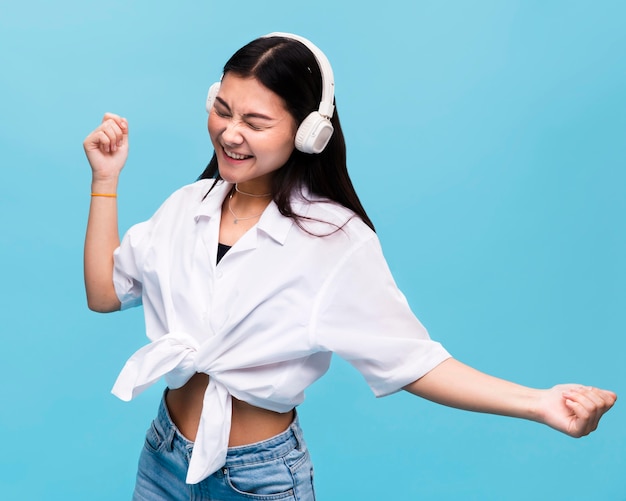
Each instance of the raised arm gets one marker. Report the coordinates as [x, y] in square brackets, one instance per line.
[570, 408]
[106, 149]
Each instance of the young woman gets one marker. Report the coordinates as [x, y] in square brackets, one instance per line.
[250, 279]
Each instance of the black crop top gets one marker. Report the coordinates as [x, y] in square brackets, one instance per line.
[221, 251]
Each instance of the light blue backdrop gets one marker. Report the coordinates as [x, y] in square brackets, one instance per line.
[486, 140]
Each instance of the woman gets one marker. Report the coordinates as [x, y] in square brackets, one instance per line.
[253, 275]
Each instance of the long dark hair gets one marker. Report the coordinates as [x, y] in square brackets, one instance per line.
[289, 69]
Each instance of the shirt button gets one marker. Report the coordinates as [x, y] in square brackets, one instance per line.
[219, 274]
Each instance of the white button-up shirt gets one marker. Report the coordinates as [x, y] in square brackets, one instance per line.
[264, 322]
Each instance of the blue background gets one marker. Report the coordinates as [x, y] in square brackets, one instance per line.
[486, 140]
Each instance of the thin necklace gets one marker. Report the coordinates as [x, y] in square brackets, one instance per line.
[235, 216]
[251, 194]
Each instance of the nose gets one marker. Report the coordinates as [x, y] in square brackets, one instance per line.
[232, 134]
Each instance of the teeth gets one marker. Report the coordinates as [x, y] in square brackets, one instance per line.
[234, 155]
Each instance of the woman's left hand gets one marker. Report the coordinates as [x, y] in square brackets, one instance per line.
[574, 409]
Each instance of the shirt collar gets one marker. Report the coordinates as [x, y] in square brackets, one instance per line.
[211, 205]
[272, 222]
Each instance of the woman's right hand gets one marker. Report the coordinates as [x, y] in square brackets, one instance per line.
[107, 147]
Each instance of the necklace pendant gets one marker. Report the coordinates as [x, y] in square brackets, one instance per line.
[235, 221]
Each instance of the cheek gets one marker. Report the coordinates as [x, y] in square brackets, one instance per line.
[282, 154]
[284, 144]
[288, 146]
[211, 124]
[213, 127]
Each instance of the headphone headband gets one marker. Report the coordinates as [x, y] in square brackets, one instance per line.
[326, 107]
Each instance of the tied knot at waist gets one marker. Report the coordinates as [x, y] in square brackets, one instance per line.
[174, 356]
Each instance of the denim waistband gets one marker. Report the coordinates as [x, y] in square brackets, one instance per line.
[271, 448]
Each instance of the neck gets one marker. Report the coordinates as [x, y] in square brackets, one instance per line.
[245, 205]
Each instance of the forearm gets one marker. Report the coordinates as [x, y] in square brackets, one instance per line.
[570, 408]
[101, 239]
[106, 148]
[455, 384]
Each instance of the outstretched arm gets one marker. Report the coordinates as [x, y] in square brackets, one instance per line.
[569, 408]
[106, 149]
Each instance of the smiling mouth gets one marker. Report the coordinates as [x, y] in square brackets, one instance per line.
[235, 156]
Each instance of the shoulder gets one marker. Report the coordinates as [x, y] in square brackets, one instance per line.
[185, 204]
[191, 197]
[193, 193]
[324, 217]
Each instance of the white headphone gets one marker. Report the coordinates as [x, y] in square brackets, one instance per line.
[315, 130]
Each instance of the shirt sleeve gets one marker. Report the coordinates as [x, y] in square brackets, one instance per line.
[129, 259]
[127, 265]
[364, 318]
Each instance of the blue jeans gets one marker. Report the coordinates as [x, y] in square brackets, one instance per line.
[278, 468]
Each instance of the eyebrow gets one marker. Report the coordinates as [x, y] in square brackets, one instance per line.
[245, 115]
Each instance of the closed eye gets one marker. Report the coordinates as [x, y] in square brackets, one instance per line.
[254, 126]
[221, 108]
[255, 121]
[221, 113]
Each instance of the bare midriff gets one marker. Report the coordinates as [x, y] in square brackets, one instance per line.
[249, 423]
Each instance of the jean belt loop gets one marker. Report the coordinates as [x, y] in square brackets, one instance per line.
[165, 421]
[169, 439]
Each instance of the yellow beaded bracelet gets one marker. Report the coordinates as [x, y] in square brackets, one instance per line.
[110, 195]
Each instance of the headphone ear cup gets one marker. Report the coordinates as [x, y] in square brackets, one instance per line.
[314, 133]
[210, 99]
